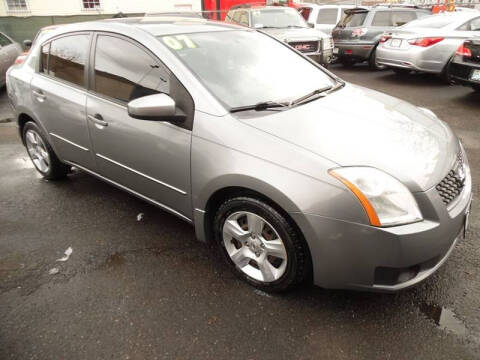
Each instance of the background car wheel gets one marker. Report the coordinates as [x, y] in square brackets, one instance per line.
[401, 71]
[476, 88]
[347, 62]
[372, 61]
[260, 244]
[42, 154]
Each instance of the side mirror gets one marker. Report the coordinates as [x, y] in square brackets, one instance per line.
[27, 44]
[157, 107]
[311, 25]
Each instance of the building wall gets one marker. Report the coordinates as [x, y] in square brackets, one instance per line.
[74, 7]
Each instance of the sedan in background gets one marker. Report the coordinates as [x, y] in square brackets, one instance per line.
[465, 66]
[9, 50]
[427, 45]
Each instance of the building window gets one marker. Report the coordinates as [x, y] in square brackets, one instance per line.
[17, 5]
[91, 4]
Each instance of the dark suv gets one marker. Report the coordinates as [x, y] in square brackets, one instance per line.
[357, 35]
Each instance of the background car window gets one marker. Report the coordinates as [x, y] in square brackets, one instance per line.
[382, 18]
[400, 18]
[354, 19]
[281, 17]
[4, 41]
[327, 16]
[472, 25]
[243, 18]
[236, 16]
[305, 12]
[434, 22]
[67, 58]
[123, 71]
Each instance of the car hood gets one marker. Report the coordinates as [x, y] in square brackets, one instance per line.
[356, 126]
[292, 34]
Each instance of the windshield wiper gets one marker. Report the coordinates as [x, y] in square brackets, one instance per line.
[265, 105]
[315, 94]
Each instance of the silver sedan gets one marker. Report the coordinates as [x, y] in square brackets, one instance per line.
[292, 172]
[426, 45]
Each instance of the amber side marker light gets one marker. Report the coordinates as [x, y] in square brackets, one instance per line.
[371, 213]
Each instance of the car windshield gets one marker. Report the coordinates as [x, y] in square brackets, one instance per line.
[245, 67]
[277, 18]
[353, 19]
[431, 22]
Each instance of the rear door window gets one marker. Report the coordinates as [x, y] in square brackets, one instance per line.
[327, 16]
[65, 58]
[472, 25]
[400, 18]
[382, 18]
[124, 71]
[354, 19]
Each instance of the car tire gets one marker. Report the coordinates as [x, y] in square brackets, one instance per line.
[41, 153]
[401, 71]
[348, 63]
[372, 61]
[260, 245]
[476, 88]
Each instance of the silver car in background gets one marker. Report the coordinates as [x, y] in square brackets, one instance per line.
[9, 51]
[427, 45]
[292, 172]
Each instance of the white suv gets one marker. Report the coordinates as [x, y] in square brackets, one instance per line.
[323, 17]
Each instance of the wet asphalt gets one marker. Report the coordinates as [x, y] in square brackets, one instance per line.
[147, 290]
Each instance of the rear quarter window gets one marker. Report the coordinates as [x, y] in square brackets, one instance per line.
[354, 19]
[382, 18]
[327, 16]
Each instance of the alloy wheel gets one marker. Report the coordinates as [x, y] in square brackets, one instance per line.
[254, 246]
[37, 150]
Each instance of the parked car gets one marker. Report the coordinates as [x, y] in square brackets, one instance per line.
[287, 25]
[357, 36]
[292, 172]
[465, 66]
[9, 50]
[323, 17]
[427, 45]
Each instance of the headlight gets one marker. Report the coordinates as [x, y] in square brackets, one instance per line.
[386, 200]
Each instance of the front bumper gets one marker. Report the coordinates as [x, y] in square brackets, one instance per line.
[357, 51]
[414, 58]
[349, 255]
[323, 58]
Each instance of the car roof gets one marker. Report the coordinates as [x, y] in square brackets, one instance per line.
[155, 25]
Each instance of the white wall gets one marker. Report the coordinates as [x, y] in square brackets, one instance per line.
[74, 7]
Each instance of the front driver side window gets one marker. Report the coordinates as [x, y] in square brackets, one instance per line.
[124, 72]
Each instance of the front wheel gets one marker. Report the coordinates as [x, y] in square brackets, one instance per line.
[42, 154]
[260, 244]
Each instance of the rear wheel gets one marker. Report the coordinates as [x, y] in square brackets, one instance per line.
[372, 61]
[260, 244]
[42, 154]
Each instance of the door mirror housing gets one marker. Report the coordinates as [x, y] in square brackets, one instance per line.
[157, 107]
[27, 44]
[311, 25]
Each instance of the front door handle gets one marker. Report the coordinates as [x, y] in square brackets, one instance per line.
[39, 95]
[97, 119]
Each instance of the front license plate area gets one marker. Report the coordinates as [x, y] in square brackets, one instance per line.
[396, 43]
[475, 75]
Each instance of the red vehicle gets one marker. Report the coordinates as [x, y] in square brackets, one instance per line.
[218, 8]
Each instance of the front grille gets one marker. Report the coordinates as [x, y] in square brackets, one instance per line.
[452, 185]
[305, 46]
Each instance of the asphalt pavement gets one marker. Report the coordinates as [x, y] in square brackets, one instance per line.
[142, 287]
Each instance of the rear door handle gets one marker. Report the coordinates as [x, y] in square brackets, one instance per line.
[97, 119]
[39, 94]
